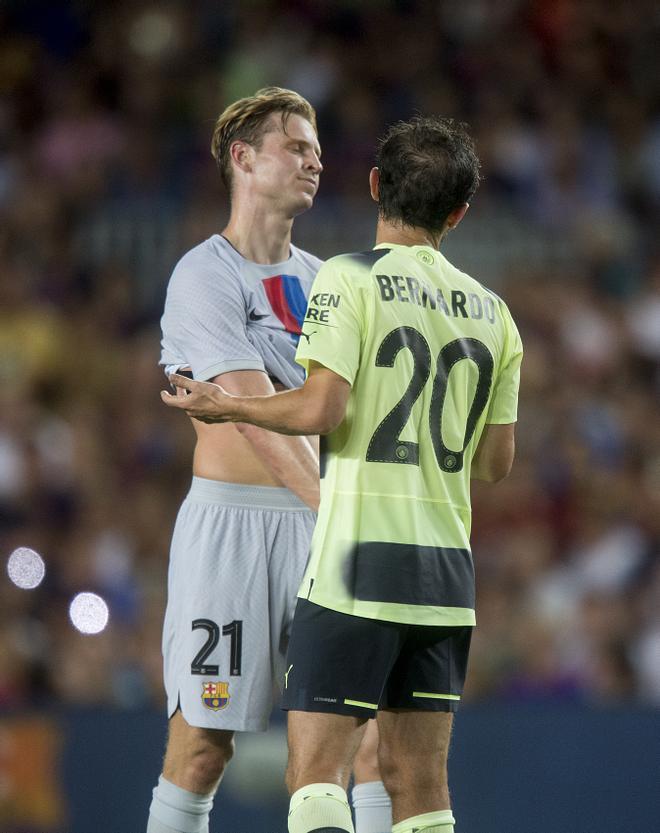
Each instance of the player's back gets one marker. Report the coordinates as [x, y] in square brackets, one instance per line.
[425, 348]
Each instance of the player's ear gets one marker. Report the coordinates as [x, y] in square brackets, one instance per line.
[456, 216]
[374, 180]
[241, 154]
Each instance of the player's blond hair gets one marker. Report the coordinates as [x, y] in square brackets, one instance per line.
[248, 120]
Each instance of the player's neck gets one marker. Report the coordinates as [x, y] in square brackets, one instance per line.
[402, 235]
[260, 236]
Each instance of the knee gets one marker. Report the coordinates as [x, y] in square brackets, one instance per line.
[403, 774]
[212, 756]
[366, 765]
[302, 771]
[390, 771]
[201, 764]
[417, 776]
[291, 778]
[297, 771]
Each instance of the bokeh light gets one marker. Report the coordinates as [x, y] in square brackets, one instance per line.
[26, 568]
[153, 34]
[89, 613]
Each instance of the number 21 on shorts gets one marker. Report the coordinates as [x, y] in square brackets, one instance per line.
[234, 630]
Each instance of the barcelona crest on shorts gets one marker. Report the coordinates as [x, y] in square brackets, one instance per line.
[215, 696]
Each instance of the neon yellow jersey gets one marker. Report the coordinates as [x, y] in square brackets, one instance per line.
[432, 356]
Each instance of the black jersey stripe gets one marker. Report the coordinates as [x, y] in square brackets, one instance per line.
[370, 258]
[382, 571]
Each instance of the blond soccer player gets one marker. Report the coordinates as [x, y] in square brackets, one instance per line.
[233, 315]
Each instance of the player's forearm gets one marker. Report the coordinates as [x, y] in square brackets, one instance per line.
[291, 461]
[296, 412]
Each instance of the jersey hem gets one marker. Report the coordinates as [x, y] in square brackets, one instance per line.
[227, 367]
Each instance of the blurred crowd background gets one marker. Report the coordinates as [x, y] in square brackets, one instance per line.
[106, 115]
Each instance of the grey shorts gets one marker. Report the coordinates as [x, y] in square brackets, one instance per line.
[237, 558]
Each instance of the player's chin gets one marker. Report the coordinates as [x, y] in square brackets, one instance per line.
[302, 204]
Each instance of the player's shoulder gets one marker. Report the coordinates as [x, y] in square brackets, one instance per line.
[356, 264]
[471, 284]
[209, 255]
[204, 263]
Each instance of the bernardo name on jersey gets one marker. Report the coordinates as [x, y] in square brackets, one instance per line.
[432, 357]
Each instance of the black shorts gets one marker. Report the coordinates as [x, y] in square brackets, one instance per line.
[352, 665]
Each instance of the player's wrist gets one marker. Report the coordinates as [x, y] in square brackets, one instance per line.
[241, 408]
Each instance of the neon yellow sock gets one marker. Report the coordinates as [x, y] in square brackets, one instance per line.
[320, 807]
[442, 821]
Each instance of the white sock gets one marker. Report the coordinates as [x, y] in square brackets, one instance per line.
[175, 810]
[373, 808]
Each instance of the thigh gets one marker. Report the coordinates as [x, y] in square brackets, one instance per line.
[216, 643]
[429, 673]
[338, 663]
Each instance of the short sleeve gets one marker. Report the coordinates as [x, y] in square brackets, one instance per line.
[204, 324]
[331, 331]
[504, 401]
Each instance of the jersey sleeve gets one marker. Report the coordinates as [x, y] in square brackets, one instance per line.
[504, 401]
[205, 324]
[331, 331]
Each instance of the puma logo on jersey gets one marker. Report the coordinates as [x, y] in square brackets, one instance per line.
[308, 335]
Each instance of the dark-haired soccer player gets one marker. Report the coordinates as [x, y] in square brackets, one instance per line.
[413, 373]
[233, 314]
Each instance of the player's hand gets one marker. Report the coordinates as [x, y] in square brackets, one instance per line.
[204, 401]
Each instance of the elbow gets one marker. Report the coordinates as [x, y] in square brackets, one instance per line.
[496, 474]
[326, 422]
[494, 467]
[501, 466]
[326, 402]
[490, 475]
[326, 416]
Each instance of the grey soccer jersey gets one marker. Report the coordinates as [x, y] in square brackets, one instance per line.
[224, 313]
[238, 552]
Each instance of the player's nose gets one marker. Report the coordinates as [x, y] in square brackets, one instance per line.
[314, 163]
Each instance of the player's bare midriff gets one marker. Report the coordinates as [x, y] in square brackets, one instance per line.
[223, 453]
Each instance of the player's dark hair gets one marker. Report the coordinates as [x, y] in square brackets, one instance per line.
[428, 167]
[248, 119]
